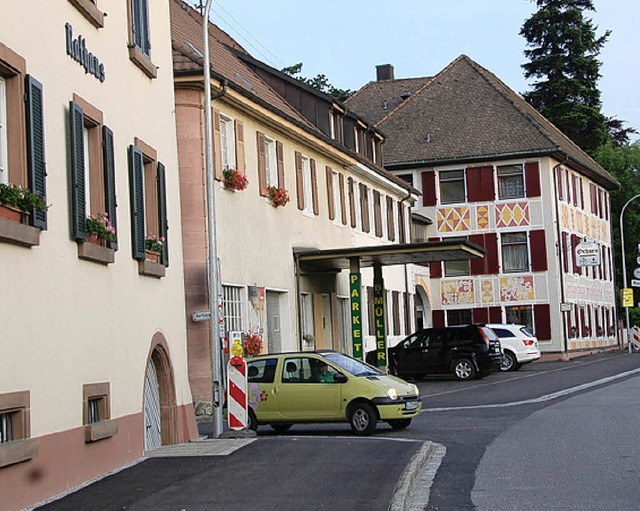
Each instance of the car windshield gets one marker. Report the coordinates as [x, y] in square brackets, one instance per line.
[355, 367]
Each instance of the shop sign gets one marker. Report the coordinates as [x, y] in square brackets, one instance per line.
[356, 314]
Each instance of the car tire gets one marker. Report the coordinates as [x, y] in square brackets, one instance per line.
[463, 369]
[399, 423]
[253, 421]
[280, 428]
[362, 418]
[509, 362]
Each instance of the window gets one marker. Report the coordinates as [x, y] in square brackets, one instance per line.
[306, 315]
[452, 187]
[307, 185]
[227, 143]
[92, 169]
[334, 196]
[263, 371]
[458, 317]
[510, 181]
[456, 268]
[515, 252]
[232, 307]
[96, 415]
[148, 205]
[335, 125]
[139, 38]
[271, 162]
[15, 430]
[521, 315]
[4, 168]
[89, 9]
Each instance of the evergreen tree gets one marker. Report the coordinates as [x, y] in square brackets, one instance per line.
[562, 52]
[319, 82]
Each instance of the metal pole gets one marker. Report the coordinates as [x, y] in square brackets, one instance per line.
[216, 366]
[624, 265]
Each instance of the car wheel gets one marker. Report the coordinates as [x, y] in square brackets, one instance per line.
[253, 421]
[463, 369]
[280, 428]
[399, 423]
[363, 419]
[509, 362]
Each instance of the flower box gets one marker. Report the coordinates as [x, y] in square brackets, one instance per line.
[11, 213]
[234, 180]
[278, 195]
[152, 256]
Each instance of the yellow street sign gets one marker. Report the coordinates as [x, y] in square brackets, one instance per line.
[627, 297]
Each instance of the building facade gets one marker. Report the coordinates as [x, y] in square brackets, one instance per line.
[279, 134]
[493, 171]
[93, 371]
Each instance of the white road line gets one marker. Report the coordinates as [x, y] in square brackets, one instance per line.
[541, 399]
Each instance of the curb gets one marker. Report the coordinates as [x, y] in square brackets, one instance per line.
[421, 469]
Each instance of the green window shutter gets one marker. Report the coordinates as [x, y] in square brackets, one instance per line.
[35, 147]
[78, 186]
[163, 224]
[140, 25]
[136, 188]
[108, 159]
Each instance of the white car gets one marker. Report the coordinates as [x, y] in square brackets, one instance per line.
[519, 345]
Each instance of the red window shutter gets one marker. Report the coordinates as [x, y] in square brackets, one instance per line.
[559, 183]
[538, 250]
[314, 186]
[566, 175]
[600, 209]
[565, 252]
[532, 178]
[480, 315]
[435, 269]
[492, 266]
[581, 193]
[429, 188]
[574, 187]
[437, 318]
[280, 164]
[299, 183]
[477, 266]
[477, 180]
[542, 321]
[574, 244]
[495, 314]
[329, 177]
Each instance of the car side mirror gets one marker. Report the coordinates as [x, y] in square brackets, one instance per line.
[340, 378]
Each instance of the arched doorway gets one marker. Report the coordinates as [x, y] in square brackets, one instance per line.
[422, 309]
[159, 402]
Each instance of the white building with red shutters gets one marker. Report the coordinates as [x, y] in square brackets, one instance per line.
[495, 172]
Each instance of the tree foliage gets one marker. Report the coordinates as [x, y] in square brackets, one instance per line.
[319, 82]
[623, 162]
[562, 52]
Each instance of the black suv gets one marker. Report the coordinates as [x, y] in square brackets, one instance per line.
[467, 351]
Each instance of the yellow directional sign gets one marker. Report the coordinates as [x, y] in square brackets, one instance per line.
[627, 297]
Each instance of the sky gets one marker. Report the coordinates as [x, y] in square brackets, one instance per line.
[346, 39]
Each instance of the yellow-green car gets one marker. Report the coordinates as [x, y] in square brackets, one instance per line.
[326, 386]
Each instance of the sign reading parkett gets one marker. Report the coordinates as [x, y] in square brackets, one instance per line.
[587, 254]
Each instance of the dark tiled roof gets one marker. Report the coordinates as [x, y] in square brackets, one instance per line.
[466, 113]
[376, 99]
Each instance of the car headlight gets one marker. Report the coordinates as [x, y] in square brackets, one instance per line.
[392, 393]
[416, 390]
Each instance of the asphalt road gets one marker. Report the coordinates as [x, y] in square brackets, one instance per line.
[509, 438]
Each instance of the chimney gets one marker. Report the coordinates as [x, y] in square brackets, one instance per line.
[384, 72]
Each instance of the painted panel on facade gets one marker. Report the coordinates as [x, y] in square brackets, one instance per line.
[581, 289]
[512, 214]
[456, 292]
[482, 217]
[516, 289]
[455, 219]
[486, 291]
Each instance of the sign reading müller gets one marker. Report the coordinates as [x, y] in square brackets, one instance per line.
[587, 254]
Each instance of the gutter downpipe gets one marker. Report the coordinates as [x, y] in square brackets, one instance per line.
[213, 270]
[565, 342]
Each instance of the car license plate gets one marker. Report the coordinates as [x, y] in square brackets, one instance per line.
[411, 405]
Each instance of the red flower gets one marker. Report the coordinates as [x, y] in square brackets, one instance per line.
[278, 195]
[234, 180]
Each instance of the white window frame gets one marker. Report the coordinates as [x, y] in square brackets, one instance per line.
[503, 245]
[4, 163]
[271, 161]
[332, 125]
[87, 171]
[227, 142]
[307, 185]
[511, 172]
[442, 179]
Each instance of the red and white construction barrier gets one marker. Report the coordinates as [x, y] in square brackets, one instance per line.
[237, 392]
[635, 338]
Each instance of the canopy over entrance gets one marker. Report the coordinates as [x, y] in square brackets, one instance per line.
[337, 259]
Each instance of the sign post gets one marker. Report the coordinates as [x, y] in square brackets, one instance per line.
[237, 388]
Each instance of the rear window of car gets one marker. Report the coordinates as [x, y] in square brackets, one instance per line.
[262, 371]
[503, 332]
[489, 333]
[526, 331]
